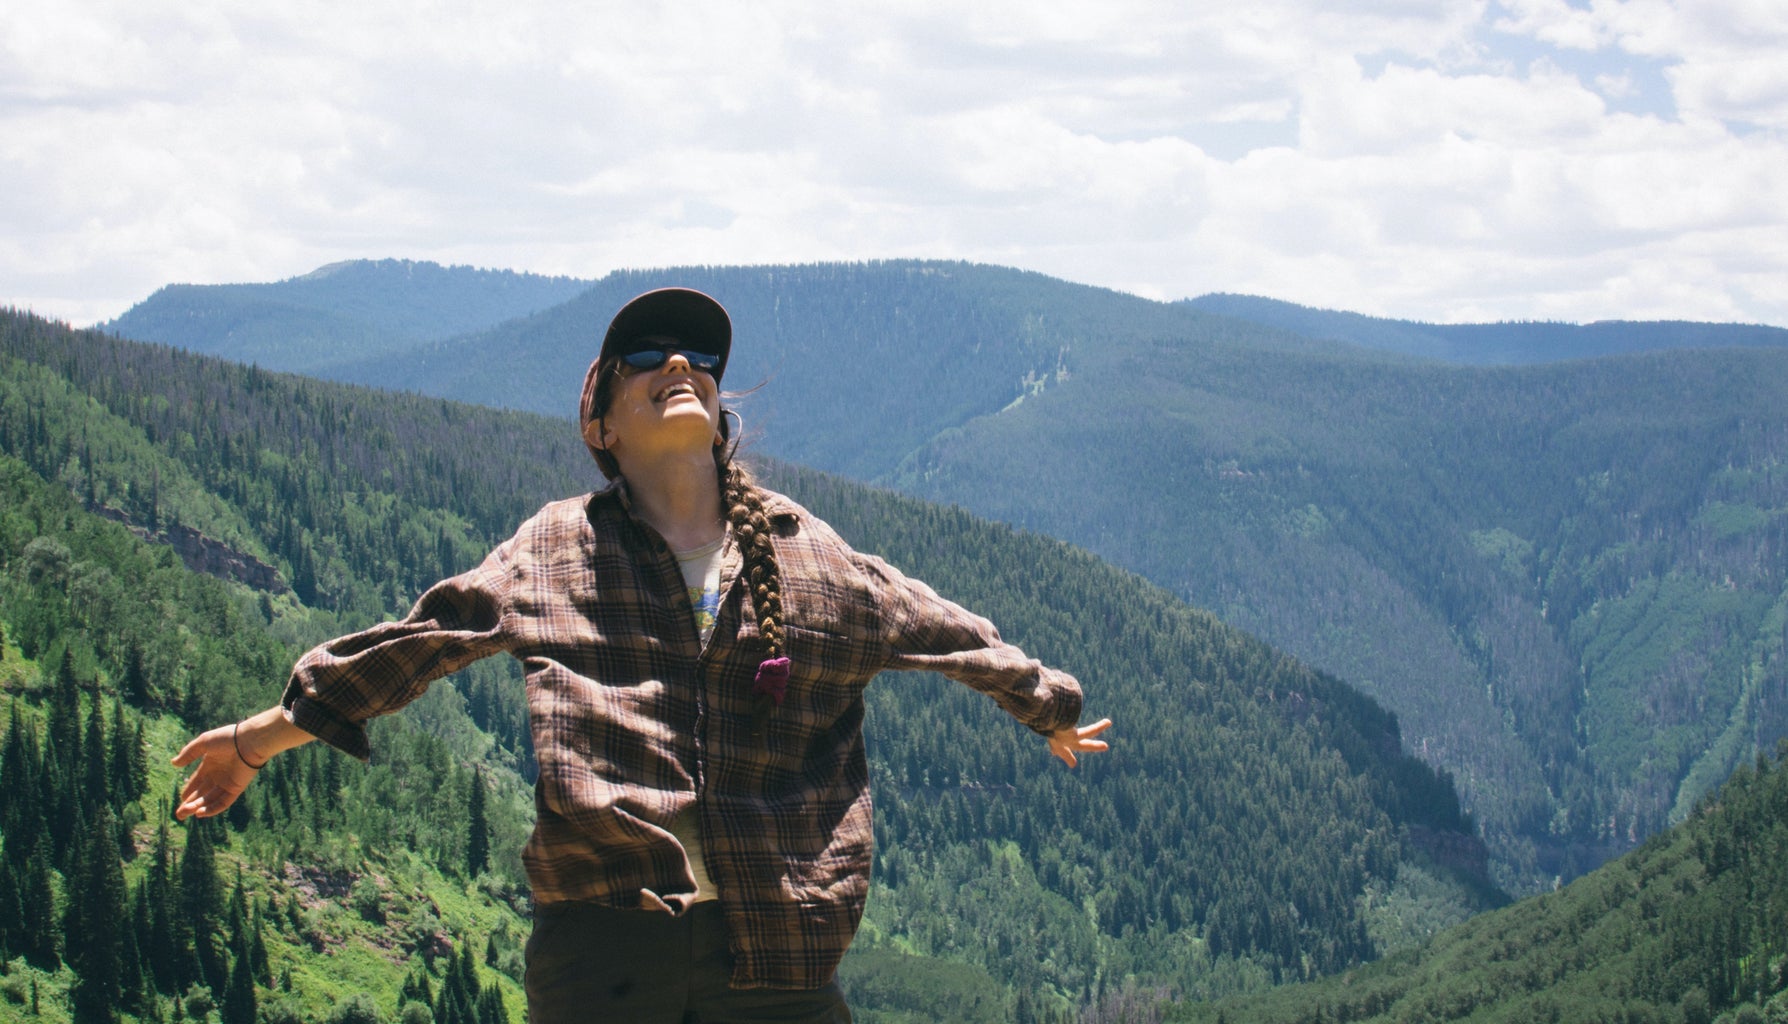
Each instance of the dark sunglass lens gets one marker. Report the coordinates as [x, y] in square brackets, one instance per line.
[646, 358]
[703, 361]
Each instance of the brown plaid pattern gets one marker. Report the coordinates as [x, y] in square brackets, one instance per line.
[633, 718]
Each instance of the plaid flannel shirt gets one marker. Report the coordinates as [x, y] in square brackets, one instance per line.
[633, 717]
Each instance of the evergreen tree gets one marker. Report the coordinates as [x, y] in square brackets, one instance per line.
[202, 903]
[21, 772]
[12, 912]
[490, 1007]
[160, 898]
[128, 762]
[135, 685]
[133, 989]
[96, 773]
[65, 713]
[257, 950]
[239, 995]
[95, 932]
[37, 925]
[477, 829]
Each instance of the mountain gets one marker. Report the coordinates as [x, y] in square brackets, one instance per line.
[341, 312]
[1257, 821]
[1692, 926]
[1499, 344]
[1564, 578]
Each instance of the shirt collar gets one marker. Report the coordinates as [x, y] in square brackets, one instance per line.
[776, 506]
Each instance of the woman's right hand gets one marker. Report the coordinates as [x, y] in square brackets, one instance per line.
[223, 773]
[220, 778]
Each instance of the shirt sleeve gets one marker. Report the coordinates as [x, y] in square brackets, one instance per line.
[338, 685]
[926, 632]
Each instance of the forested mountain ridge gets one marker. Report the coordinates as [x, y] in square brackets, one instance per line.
[864, 361]
[1258, 822]
[1496, 344]
[338, 313]
[1565, 579]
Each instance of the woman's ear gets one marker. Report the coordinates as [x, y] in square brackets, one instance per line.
[598, 436]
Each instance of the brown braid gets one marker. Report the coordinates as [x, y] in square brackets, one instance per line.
[744, 505]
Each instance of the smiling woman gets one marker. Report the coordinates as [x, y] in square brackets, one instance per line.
[696, 648]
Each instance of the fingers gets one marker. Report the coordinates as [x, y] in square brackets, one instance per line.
[195, 747]
[212, 787]
[204, 797]
[1066, 743]
[187, 753]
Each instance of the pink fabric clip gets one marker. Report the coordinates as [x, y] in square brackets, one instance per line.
[772, 679]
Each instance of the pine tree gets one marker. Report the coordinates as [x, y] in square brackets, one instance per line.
[133, 990]
[490, 1007]
[161, 899]
[239, 995]
[95, 938]
[37, 932]
[135, 685]
[96, 772]
[21, 772]
[257, 950]
[477, 829]
[12, 912]
[65, 713]
[129, 768]
[202, 904]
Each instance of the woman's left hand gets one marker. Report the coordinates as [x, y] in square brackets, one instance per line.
[1066, 743]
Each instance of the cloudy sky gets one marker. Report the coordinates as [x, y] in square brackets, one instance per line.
[1442, 160]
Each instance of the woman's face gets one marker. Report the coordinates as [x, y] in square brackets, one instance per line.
[670, 409]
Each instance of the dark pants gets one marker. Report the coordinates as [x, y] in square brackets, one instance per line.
[589, 964]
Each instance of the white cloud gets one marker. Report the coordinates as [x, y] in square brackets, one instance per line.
[1433, 160]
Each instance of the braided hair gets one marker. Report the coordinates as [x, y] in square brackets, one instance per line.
[743, 502]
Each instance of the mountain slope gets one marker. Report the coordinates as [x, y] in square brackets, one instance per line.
[1693, 923]
[1498, 344]
[1244, 784]
[1561, 577]
[341, 312]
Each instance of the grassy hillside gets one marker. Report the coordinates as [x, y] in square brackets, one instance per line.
[1257, 823]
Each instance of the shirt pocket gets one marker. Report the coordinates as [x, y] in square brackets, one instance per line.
[828, 671]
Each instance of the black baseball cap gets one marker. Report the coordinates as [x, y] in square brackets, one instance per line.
[695, 319]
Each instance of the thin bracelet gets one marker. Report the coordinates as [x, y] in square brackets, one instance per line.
[233, 742]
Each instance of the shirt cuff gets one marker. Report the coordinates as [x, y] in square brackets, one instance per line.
[1066, 700]
[313, 717]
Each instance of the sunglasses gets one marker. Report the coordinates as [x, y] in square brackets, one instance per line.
[653, 358]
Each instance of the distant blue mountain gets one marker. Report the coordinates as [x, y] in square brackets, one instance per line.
[1496, 344]
[342, 312]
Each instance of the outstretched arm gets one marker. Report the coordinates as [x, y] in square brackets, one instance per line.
[1066, 743]
[228, 757]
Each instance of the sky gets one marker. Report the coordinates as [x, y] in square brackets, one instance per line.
[1439, 160]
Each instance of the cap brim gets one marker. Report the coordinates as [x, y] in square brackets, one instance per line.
[696, 320]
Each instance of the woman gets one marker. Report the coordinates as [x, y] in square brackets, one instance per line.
[696, 647]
